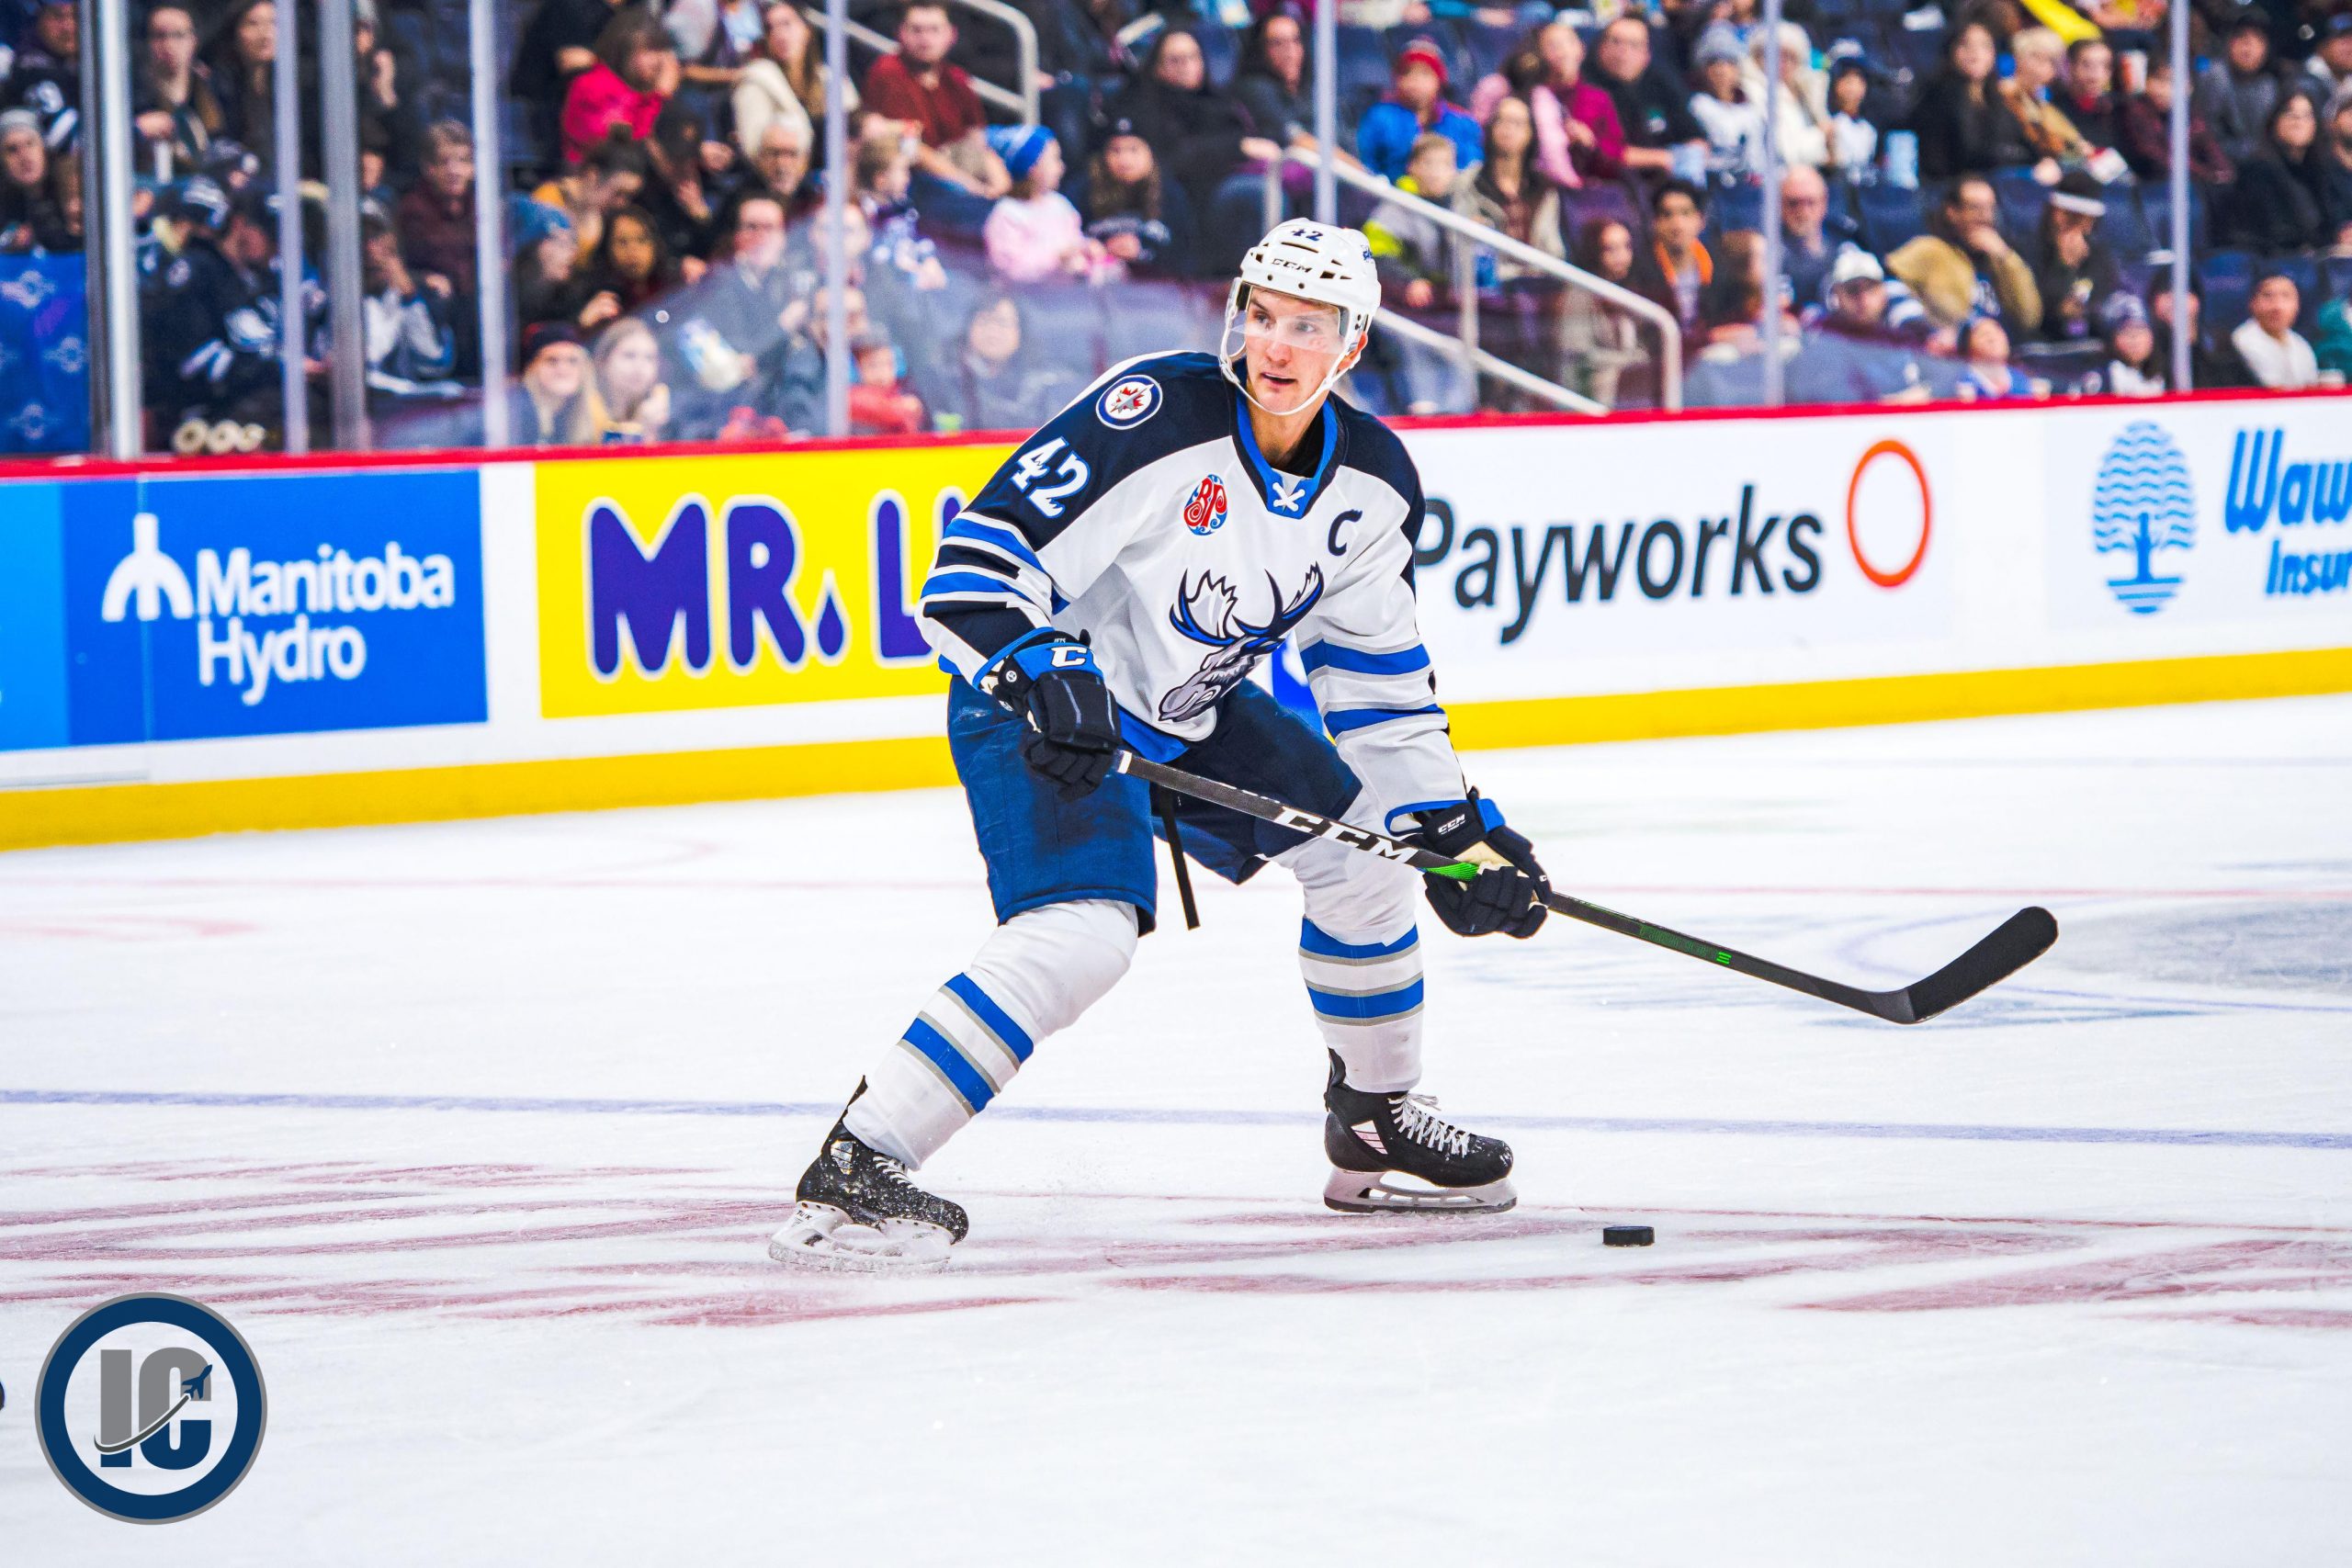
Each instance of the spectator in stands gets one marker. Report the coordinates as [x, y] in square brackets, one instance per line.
[1416, 106]
[1140, 217]
[1274, 85]
[879, 185]
[544, 280]
[1652, 112]
[2090, 99]
[1731, 311]
[2073, 269]
[679, 194]
[1962, 267]
[1678, 268]
[412, 348]
[1733, 122]
[2131, 368]
[2210, 365]
[214, 325]
[636, 72]
[2281, 201]
[1600, 341]
[785, 80]
[631, 267]
[1986, 374]
[2276, 355]
[715, 40]
[2329, 70]
[172, 103]
[1034, 232]
[780, 163]
[2144, 128]
[2239, 91]
[557, 44]
[2333, 348]
[2049, 134]
[1577, 137]
[1852, 356]
[956, 177]
[1201, 135]
[553, 404]
[1408, 250]
[737, 314]
[989, 382]
[1506, 191]
[1804, 122]
[388, 122]
[1810, 238]
[46, 77]
[609, 176]
[30, 218]
[632, 401]
[1853, 135]
[879, 402]
[435, 219]
[1962, 122]
[2335, 165]
[243, 71]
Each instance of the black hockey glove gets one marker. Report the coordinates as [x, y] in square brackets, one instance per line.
[1502, 898]
[1051, 682]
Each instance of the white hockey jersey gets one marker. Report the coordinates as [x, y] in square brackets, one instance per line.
[1145, 517]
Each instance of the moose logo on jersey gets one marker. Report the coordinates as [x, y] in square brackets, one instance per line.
[1204, 513]
[1208, 613]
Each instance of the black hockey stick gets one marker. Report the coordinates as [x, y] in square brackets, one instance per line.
[2016, 943]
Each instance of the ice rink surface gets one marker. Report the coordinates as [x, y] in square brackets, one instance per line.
[475, 1130]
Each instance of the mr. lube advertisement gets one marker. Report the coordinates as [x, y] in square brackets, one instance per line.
[209, 607]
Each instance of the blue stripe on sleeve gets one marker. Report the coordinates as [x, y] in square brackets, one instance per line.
[942, 1054]
[968, 583]
[1314, 939]
[1387, 1004]
[1015, 1038]
[1356, 661]
[968, 527]
[1345, 719]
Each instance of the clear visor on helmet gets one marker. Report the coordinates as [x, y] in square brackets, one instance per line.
[1316, 331]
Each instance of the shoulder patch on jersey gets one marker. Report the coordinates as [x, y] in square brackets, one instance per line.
[1204, 512]
[1130, 402]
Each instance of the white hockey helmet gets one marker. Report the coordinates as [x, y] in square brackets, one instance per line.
[1323, 262]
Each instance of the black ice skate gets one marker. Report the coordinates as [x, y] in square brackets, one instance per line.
[1394, 1152]
[857, 1209]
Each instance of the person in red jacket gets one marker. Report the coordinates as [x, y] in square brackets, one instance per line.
[635, 71]
[956, 177]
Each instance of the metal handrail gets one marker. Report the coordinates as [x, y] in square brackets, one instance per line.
[1470, 230]
[1486, 364]
[1024, 48]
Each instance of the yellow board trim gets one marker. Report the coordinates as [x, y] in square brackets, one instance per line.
[31, 817]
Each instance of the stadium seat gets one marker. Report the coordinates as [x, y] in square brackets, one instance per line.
[2338, 272]
[1734, 207]
[2228, 281]
[2022, 199]
[1890, 215]
[1220, 50]
[2125, 229]
[1488, 46]
[1363, 64]
[2155, 205]
[2308, 282]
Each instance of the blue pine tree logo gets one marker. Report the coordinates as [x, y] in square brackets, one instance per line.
[2144, 503]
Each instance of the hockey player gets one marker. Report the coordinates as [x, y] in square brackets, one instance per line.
[1113, 586]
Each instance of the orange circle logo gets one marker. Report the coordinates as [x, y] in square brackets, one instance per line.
[1903, 574]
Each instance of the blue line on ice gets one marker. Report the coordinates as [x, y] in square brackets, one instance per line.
[2214, 1137]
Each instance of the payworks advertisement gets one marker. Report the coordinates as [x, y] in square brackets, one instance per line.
[209, 607]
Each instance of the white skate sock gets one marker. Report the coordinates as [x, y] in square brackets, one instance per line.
[1367, 997]
[1035, 975]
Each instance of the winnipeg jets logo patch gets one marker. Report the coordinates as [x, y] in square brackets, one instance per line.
[1129, 403]
[1290, 492]
[1204, 512]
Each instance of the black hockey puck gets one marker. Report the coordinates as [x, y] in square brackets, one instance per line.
[1627, 1236]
